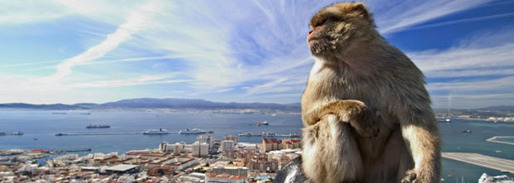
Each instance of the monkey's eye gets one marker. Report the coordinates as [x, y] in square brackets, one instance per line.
[320, 22]
[323, 20]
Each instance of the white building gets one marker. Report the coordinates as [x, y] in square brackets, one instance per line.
[206, 139]
[233, 171]
[228, 144]
[200, 149]
[176, 148]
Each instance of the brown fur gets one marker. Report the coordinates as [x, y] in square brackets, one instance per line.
[365, 109]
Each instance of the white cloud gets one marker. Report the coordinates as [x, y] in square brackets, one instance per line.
[270, 87]
[255, 47]
[30, 11]
[136, 21]
[393, 16]
[477, 73]
[145, 80]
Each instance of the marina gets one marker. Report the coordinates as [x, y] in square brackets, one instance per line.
[504, 165]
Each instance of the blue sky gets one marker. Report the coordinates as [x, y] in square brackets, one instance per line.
[65, 51]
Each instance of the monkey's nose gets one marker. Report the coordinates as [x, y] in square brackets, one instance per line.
[310, 32]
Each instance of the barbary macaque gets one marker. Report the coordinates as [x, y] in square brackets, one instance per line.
[365, 110]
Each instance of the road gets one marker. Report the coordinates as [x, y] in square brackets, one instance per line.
[504, 165]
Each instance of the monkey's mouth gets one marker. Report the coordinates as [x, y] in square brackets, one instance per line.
[313, 40]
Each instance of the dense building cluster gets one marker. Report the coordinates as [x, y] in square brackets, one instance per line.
[206, 160]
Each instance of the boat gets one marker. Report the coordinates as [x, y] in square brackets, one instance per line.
[263, 134]
[260, 123]
[159, 131]
[445, 120]
[448, 115]
[248, 134]
[192, 131]
[467, 131]
[295, 135]
[10, 133]
[495, 179]
[98, 126]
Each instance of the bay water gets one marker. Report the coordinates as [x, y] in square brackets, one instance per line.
[40, 126]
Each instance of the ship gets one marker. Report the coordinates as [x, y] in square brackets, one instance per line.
[263, 134]
[467, 131]
[260, 123]
[159, 131]
[495, 179]
[295, 135]
[445, 120]
[98, 126]
[192, 131]
[10, 133]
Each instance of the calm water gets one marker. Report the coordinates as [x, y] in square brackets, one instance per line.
[43, 125]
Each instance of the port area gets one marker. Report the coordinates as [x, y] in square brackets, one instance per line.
[504, 165]
[103, 133]
[497, 139]
[20, 154]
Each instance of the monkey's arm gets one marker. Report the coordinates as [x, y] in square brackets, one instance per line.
[421, 134]
[354, 112]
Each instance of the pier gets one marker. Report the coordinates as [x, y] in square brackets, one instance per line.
[504, 165]
[495, 139]
[70, 150]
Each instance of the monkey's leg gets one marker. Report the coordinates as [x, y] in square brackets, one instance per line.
[360, 117]
[421, 135]
[330, 152]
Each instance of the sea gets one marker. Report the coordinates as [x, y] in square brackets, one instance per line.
[40, 126]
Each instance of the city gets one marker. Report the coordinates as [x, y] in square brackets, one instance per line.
[206, 160]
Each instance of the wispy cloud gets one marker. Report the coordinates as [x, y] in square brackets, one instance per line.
[248, 50]
[30, 11]
[270, 87]
[397, 15]
[145, 80]
[134, 23]
[453, 22]
[481, 65]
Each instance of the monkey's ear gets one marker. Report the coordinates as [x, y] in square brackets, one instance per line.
[361, 10]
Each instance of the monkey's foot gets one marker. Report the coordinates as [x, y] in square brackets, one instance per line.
[409, 176]
[360, 117]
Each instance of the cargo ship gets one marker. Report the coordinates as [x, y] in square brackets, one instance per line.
[98, 126]
[159, 131]
[192, 131]
[260, 123]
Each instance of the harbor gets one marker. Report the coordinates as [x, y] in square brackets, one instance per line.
[504, 165]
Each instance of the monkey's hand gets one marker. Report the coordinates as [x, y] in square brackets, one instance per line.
[409, 177]
[357, 114]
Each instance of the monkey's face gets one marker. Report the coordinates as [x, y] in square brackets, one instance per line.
[338, 27]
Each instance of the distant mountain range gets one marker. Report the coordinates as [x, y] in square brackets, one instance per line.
[200, 104]
[171, 103]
